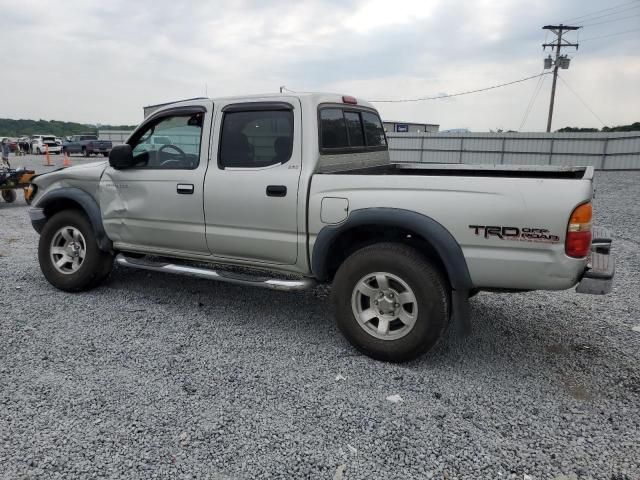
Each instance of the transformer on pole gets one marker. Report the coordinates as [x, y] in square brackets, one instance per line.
[560, 61]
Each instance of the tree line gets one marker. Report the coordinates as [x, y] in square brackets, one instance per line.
[633, 127]
[17, 128]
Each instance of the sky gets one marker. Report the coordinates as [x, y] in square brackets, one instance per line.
[102, 61]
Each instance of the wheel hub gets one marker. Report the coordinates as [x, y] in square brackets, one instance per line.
[384, 305]
[68, 249]
[386, 302]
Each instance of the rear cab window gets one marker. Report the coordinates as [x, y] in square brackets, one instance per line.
[349, 130]
[256, 135]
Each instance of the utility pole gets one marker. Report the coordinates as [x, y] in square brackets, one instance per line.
[561, 61]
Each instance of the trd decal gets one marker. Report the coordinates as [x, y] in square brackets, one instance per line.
[523, 234]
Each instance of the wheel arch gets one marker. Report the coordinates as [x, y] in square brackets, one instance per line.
[374, 225]
[73, 198]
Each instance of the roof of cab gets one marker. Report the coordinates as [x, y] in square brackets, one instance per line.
[312, 97]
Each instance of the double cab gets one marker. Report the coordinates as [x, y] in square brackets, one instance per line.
[300, 188]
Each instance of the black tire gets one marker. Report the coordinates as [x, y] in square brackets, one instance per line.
[105, 154]
[96, 265]
[9, 196]
[427, 283]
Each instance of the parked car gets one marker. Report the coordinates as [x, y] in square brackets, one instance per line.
[40, 144]
[302, 185]
[86, 145]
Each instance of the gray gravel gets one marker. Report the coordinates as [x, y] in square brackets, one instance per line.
[156, 376]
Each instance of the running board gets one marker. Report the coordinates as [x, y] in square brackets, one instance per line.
[228, 277]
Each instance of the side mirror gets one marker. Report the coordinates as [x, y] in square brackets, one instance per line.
[121, 157]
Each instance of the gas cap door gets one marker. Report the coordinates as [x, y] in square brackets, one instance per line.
[334, 210]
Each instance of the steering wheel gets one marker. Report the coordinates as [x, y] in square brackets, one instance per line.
[172, 160]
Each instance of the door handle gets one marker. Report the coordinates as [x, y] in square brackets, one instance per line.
[185, 188]
[276, 191]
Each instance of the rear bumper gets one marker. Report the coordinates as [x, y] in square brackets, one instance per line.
[601, 267]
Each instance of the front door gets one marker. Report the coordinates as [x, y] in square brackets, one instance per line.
[157, 205]
[251, 191]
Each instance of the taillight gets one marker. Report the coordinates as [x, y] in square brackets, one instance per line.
[349, 99]
[578, 242]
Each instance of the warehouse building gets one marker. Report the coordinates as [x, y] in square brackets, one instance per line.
[391, 126]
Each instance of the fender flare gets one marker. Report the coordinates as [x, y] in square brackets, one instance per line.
[88, 205]
[443, 242]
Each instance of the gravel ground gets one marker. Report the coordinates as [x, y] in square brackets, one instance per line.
[157, 376]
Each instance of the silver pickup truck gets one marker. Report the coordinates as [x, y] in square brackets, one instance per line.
[286, 191]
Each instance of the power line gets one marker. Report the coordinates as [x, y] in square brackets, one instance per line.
[618, 12]
[536, 92]
[611, 35]
[596, 12]
[460, 93]
[581, 100]
[612, 20]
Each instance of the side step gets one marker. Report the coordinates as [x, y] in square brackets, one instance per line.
[229, 277]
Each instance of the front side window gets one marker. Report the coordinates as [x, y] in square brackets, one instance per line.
[171, 142]
[254, 139]
[345, 130]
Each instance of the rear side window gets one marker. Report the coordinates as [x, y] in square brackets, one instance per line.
[349, 131]
[253, 139]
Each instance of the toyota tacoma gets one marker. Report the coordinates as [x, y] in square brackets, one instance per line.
[300, 189]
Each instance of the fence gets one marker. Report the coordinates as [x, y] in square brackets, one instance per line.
[603, 151]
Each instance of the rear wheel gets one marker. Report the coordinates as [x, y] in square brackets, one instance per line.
[69, 255]
[9, 196]
[391, 302]
[105, 154]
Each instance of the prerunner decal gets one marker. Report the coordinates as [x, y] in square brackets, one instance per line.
[522, 234]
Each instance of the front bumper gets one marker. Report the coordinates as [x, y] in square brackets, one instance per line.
[601, 267]
[38, 218]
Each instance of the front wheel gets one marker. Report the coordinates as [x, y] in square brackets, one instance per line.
[391, 302]
[69, 255]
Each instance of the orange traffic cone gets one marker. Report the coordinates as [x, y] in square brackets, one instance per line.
[67, 161]
[46, 152]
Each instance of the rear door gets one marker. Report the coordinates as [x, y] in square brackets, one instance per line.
[158, 205]
[251, 188]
